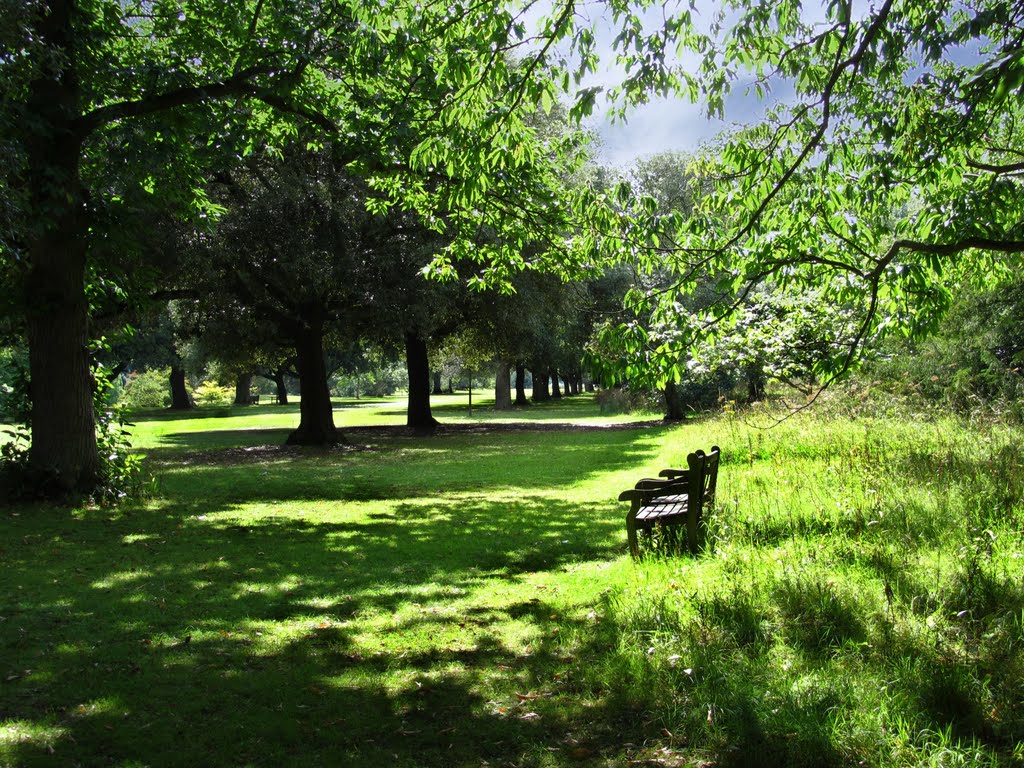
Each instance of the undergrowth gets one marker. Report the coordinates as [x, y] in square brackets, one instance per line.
[861, 602]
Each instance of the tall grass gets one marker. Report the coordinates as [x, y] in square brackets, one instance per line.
[862, 602]
[467, 599]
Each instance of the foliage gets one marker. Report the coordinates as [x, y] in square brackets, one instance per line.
[209, 393]
[892, 170]
[14, 402]
[120, 468]
[613, 400]
[778, 336]
[973, 363]
[146, 389]
[379, 378]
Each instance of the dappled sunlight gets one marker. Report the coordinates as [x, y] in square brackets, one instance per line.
[37, 736]
[376, 615]
[467, 597]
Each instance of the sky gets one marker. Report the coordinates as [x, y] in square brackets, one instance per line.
[666, 125]
[663, 124]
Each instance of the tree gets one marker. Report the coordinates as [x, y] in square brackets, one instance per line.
[100, 104]
[894, 168]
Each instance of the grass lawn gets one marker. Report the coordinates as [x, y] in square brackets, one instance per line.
[465, 599]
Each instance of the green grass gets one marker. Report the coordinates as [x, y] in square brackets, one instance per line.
[465, 599]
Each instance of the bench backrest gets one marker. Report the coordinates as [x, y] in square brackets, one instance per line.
[703, 481]
[703, 474]
[711, 473]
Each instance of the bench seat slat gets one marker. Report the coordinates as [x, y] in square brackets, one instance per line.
[661, 512]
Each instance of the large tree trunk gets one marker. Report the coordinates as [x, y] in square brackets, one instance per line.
[438, 389]
[63, 445]
[556, 391]
[316, 416]
[675, 409]
[282, 389]
[503, 387]
[521, 385]
[417, 365]
[243, 385]
[757, 382]
[540, 385]
[180, 399]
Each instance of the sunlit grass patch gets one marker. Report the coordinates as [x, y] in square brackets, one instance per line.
[467, 598]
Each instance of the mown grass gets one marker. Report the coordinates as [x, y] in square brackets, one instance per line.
[465, 599]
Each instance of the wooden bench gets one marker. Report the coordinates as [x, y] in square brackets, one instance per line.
[679, 499]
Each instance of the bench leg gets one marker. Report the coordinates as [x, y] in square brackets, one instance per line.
[634, 548]
[696, 531]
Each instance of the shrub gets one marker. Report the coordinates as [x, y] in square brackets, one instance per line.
[147, 389]
[623, 400]
[210, 394]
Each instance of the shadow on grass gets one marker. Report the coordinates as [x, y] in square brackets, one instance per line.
[185, 634]
[390, 464]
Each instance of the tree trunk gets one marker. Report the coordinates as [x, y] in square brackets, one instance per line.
[757, 383]
[540, 385]
[674, 407]
[503, 387]
[316, 416]
[521, 385]
[180, 399]
[417, 364]
[282, 389]
[438, 390]
[63, 445]
[243, 385]
[556, 392]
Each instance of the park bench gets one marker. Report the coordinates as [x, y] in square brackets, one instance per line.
[661, 507]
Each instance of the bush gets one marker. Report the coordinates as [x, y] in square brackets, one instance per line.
[622, 400]
[210, 394]
[147, 389]
[14, 402]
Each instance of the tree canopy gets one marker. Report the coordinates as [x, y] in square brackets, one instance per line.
[111, 109]
[891, 164]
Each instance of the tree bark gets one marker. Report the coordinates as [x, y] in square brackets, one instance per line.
[521, 385]
[316, 415]
[438, 389]
[674, 407]
[63, 445]
[180, 399]
[243, 384]
[556, 391]
[417, 364]
[503, 387]
[540, 385]
[757, 382]
[282, 389]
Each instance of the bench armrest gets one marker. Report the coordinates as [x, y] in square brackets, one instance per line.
[647, 490]
[675, 474]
